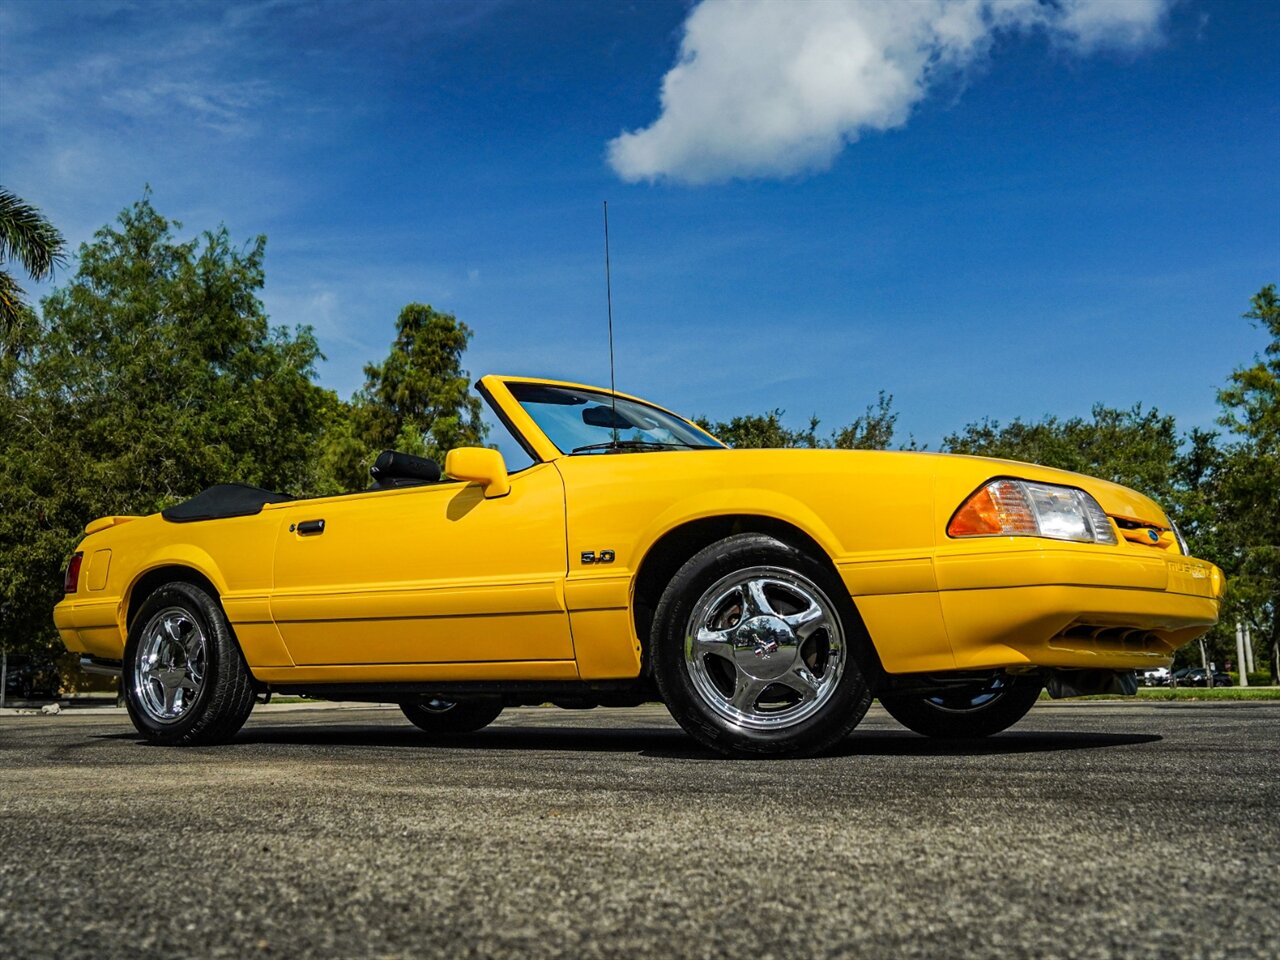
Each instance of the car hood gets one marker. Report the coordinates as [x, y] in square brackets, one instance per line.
[956, 475]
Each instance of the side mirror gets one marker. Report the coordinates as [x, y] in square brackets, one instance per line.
[479, 465]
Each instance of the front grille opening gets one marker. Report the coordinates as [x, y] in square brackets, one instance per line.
[1136, 531]
[1124, 523]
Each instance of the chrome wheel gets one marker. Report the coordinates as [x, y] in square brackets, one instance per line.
[764, 648]
[967, 700]
[966, 709]
[170, 665]
[443, 717]
[437, 705]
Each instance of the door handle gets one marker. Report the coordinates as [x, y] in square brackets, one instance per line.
[309, 528]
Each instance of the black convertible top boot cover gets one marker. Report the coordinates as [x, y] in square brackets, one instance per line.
[224, 500]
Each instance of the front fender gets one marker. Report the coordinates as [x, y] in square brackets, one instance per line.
[737, 501]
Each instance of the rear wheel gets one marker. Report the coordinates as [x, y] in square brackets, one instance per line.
[443, 717]
[185, 681]
[751, 650]
[966, 712]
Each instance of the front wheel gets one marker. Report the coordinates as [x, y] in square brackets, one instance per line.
[966, 713]
[442, 717]
[185, 681]
[751, 650]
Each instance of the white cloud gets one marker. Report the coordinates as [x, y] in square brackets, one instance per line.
[766, 88]
[1092, 24]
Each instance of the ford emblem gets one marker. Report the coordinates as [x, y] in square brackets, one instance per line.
[1154, 535]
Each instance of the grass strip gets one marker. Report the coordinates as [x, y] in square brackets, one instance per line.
[1189, 693]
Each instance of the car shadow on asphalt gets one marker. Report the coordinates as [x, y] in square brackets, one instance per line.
[667, 744]
[903, 744]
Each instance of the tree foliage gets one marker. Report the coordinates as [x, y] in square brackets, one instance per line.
[873, 430]
[27, 237]
[418, 401]
[1133, 447]
[1248, 488]
[759, 430]
[152, 374]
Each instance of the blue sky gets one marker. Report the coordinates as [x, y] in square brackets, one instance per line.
[986, 210]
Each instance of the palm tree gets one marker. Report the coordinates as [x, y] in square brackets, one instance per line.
[27, 237]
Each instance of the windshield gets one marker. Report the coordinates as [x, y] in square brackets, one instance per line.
[583, 421]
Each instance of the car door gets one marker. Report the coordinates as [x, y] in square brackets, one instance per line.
[426, 574]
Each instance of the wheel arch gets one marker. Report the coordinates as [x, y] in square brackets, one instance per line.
[669, 552]
[156, 575]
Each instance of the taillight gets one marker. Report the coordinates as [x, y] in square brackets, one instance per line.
[71, 581]
[1019, 508]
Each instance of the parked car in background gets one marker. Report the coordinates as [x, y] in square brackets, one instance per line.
[32, 677]
[1157, 677]
[1199, 677]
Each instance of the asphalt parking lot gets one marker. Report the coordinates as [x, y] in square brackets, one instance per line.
[1089, 830]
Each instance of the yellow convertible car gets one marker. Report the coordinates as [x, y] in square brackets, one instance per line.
[765, 596]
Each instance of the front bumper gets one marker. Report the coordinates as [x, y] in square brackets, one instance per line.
[1074, 607]
[1015, 603]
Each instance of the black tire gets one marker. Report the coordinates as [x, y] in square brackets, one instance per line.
[700, 688]
[214, 709]
[444, 718]
[966, 715]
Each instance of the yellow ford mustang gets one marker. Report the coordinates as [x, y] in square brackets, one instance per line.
[765, 596]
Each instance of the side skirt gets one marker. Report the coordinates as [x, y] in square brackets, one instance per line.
[572, 694]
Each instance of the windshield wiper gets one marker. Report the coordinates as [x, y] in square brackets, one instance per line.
[634, 445]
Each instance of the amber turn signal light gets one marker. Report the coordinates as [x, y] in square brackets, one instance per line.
[1000, 507]
[976, 518]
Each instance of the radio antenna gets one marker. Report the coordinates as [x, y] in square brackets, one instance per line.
[608, 292]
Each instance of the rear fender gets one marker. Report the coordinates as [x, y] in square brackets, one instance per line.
[173, 555]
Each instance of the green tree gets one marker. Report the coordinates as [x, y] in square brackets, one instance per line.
[418, 400]
[761, 430]
[871, 431]
[1195, 504]
[27, 237]
[1249, 484]
[152, 374]
[1133, 447]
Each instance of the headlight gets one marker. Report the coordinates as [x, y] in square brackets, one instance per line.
[1019, 508]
